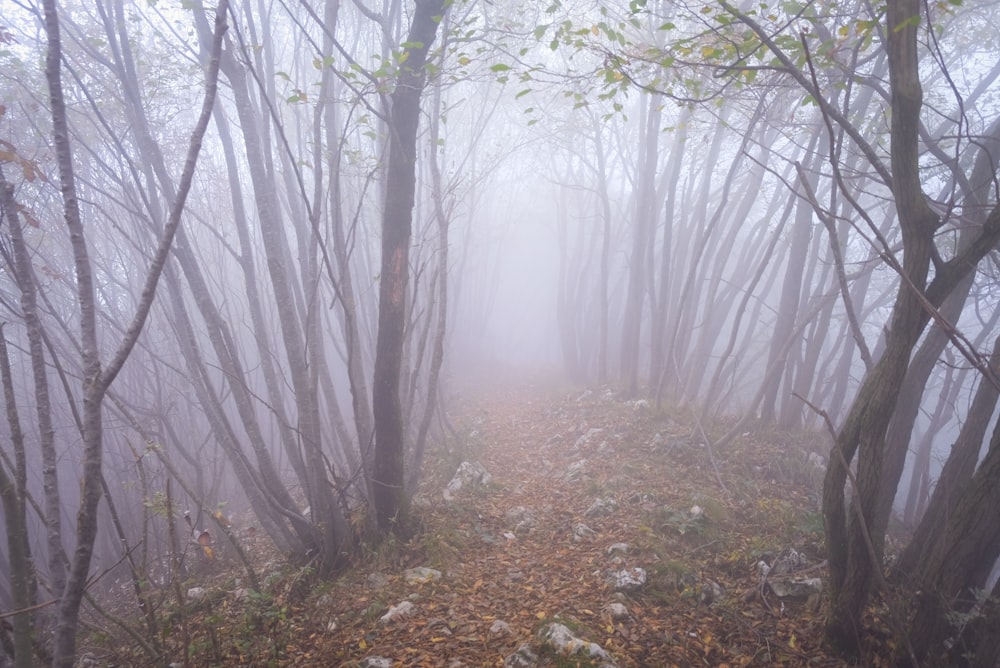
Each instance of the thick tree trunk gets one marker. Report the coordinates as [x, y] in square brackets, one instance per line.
[961, 559]
[855, 541]
[388, 480]
[954, 478]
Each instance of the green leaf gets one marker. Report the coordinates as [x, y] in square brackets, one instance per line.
[540, 30]
[412, 45]
[500, 67]
[522, 93]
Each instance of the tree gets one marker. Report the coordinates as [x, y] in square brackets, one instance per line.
[388, 475]
[97, 378]
[855, 541]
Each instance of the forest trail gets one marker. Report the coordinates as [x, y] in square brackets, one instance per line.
[513, 556]
[507, 550]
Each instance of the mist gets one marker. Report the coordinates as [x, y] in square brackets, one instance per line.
[702, 208]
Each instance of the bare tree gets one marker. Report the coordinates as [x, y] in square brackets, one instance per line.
[96, 377]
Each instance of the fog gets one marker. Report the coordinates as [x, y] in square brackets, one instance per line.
[647, 200]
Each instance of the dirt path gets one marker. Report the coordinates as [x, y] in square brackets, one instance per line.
[511, 564]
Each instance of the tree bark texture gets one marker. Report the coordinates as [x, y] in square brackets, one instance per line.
[97, 380]
[855, 538]
[388, 474]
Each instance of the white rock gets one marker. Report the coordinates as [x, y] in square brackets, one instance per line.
[629, 579]
[524, 657]
[404, 609]
[618, 548]
[588, 437]
[582, 532]
[711, 592]
[521, 518]
[421, 574]
[575, 470]
[331, 626]
[378, 662]
[796, 588]
[561, 640]
[469, 474]
[616, 611]
[601, 507]
[501, 627]
[638, 405]
[789, 561]
[196, 593]
[377, 580]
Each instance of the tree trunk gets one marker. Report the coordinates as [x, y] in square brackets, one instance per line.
[96, 380]
[962, 558]
[11, 496]
[855, 547]
[642, 235]
[388, 481]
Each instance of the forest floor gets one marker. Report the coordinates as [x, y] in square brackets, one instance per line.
[507, 553]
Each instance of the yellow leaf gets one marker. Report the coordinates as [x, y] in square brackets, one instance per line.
[438, 639]
[362, 644]
[792, 642]
[587, 612]
[540, 614]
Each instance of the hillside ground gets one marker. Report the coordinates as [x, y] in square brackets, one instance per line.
[513, 556]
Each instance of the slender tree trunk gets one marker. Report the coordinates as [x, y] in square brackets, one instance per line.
[12, 498]
[642, 234]
[96, 380]
[388, 474]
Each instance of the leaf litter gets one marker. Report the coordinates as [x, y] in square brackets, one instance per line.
[512, 558]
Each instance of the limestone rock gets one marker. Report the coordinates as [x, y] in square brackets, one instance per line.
[421, 574]
[795, 587]
[524, 657]
[616, 611]
[628, 579]
[582, 532]
[377, 662]
[500, 627]
[561, 640]
[469, 474]
[404, 609]
[601, 507]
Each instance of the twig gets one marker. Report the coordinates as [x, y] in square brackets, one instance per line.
[711, 454]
